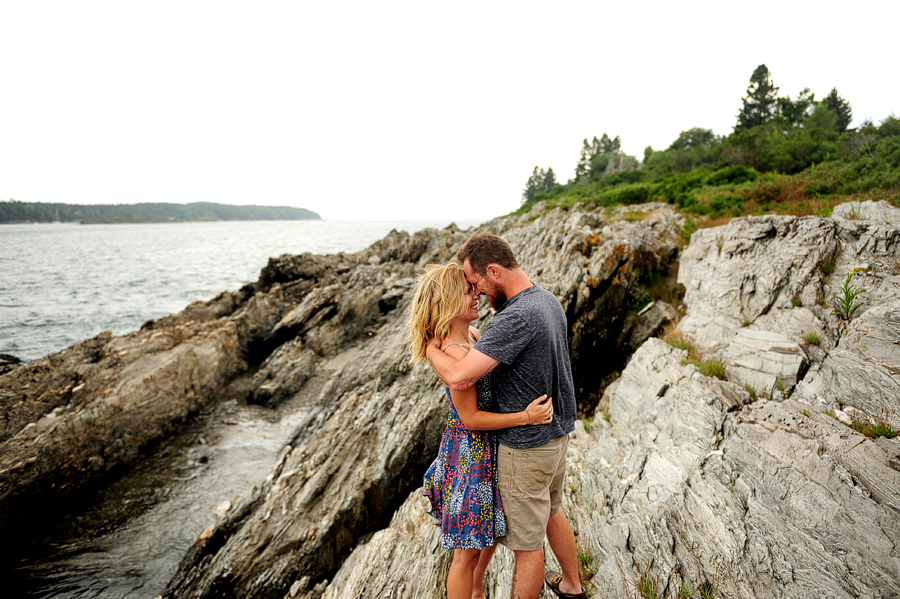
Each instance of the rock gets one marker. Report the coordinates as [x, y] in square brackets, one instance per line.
[881, 212]
[763, 359]
[691, 482]
[645, 324]
[8, 362]
[346, 474]
[685, 480]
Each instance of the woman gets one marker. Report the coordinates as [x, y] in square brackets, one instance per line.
[462, 482]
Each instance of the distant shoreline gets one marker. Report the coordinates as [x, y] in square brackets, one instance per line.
[14, 212]
[147, 221]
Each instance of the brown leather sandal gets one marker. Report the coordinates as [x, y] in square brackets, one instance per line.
[553, 579]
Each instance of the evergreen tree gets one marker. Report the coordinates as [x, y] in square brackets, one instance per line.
[794, 111]
[540, 181]
[840, 107]
[549, 181]
[759, 104]
[605, 145]
[585, 159]
[594, 157]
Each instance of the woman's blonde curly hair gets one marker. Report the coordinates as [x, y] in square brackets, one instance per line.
[436, 304]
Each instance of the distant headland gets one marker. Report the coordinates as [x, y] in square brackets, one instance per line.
[34, 212]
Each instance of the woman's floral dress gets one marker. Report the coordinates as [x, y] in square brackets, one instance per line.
[462, 482]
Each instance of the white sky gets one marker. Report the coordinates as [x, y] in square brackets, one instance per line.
[392, 110]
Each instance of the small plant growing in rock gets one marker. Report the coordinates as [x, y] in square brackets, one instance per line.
[828, 413]
[796, 301]
[679, 340]
[785, 393]
[713, 368]
[854, 213]
[879, 427]
[805, 412]
[587, 425]
[586, 559]
[812, 338]
[844, 306]
[687, 592]
[606, 415]
[746, 322]
[751, 390]
[820, 301]
[827, 267]
[708, 590]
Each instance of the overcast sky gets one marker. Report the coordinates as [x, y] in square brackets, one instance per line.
[393, 110]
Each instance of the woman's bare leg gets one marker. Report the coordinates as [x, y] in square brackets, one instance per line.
[480, 568]
[459, 579]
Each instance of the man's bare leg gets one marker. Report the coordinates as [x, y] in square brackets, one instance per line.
[529, 575]
[562, 542]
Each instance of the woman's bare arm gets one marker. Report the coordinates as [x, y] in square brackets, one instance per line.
[539, 411]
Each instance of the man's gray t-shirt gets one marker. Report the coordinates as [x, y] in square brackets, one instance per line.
[528, 336]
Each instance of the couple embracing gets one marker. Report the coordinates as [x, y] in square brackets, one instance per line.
[516, 381]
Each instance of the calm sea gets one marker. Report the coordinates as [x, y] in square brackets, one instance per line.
[64, 283]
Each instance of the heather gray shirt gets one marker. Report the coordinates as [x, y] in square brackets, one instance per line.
[528, 336]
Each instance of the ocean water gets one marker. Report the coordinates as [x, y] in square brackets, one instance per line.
[64, 283]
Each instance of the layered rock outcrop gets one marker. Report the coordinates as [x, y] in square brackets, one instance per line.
[329, 329]
[737, 488]
[754, 486]
[344, 475]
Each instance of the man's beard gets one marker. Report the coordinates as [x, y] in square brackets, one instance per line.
[497, 298]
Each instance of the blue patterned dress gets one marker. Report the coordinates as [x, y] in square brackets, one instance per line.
[462, 482]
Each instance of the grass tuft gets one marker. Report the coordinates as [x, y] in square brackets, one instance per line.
[812, 338]
[879, 427]
[751, 390]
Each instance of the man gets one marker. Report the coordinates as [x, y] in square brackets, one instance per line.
[526, 346]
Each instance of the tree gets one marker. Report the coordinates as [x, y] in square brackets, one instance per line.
[759, 104]
[595, 156]
[840, 107]
[540, 181]
[693, 138]
[585, 159]
[794, 111]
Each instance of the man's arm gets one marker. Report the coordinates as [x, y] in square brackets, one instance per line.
[459, 374]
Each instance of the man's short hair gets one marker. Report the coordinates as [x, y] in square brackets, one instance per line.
[484, 248]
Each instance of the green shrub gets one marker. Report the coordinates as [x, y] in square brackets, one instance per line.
[721, 203]
[732, 175]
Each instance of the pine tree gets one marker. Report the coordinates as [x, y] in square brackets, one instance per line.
[794, 111]
[759, 104]
[549, 181]
[840, 107]
[585, 159]
[594, 157]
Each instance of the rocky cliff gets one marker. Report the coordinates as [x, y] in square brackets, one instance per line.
[754, 486]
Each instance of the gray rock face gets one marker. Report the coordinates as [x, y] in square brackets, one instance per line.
[679, 479]
[880, 212]
[379, 427]
[692, 484]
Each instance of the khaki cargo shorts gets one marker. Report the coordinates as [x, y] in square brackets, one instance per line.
[531, 484]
